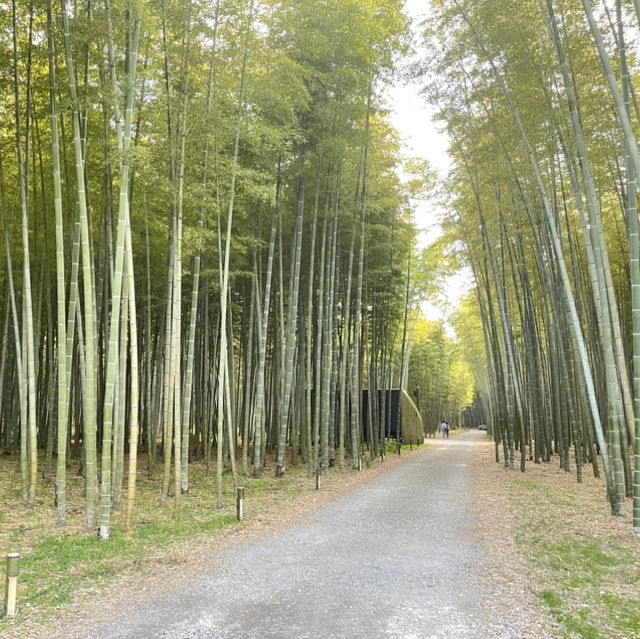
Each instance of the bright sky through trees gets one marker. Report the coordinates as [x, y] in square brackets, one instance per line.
[412, 116]
[422, 138]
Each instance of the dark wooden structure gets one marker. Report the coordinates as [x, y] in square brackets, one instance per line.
[409, 419]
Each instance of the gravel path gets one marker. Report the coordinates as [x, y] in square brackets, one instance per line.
[394, 558]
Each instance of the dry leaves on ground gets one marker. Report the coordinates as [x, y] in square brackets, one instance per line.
[556, 540]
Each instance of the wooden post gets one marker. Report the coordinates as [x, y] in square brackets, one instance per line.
[317, 478]
[240, 503]
[13, 570]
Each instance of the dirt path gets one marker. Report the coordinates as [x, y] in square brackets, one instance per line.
[397, 557]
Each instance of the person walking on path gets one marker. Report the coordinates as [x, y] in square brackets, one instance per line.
[445, 429]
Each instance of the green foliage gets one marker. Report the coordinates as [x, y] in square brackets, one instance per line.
[625, 612]
[60, 565]
[313, 82]
[552, 600]
[535, 134]
[439, 368]
[391, 448]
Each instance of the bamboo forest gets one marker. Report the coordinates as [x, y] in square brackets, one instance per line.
[211, 255]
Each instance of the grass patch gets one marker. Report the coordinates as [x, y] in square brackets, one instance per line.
[552, 600]
[576, 627]
[583, 562]
[59, 565]
[56, 567]
[625, 612]
[391, 448]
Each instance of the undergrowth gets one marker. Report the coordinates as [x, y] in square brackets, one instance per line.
[60, 564]
[584, 562]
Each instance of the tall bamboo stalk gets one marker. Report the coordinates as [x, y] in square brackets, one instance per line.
[90, 338]
[578, 336]
[113, 352]
[61, 339]
[222, 367]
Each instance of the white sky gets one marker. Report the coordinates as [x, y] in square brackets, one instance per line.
[412, 117]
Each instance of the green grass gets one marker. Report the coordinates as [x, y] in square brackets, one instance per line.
[574, 626]
[625, 612]
[60, 565]
[584, 572]
[391, 447]
[57, 566]
[586, 577]
[552, 600]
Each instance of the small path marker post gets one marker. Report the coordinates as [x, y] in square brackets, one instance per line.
[318, 478]
[11, 588]
[240, 503]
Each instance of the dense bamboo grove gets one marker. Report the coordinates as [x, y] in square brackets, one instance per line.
[539, 99]
[207, 245]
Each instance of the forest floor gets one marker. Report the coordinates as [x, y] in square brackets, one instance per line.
[558, 538]
[544, 558]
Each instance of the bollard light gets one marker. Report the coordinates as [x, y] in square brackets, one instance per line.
[13, 570]
[240, 503]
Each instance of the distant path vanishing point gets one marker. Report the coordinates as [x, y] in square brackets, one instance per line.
[395, 558]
